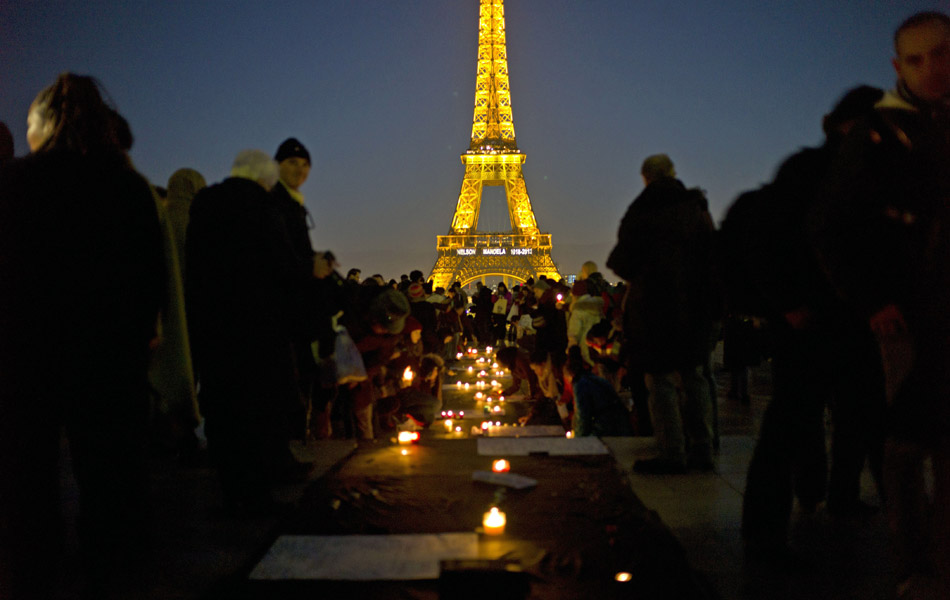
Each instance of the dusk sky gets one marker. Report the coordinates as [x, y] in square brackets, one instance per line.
[382, 91]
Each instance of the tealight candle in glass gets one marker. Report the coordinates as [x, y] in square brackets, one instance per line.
[494, 521]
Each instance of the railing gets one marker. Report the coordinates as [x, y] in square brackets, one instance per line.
[493, 240]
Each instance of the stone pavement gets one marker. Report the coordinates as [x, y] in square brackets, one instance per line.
[195, 548]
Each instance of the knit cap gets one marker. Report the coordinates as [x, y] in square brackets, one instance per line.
[290, 148]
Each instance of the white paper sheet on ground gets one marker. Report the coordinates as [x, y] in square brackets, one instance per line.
[540, 445]
[526, 431]
[363, 557]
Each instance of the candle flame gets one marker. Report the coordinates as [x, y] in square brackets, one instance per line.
[408, 437]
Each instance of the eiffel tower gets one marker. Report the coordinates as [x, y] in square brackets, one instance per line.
[493, 158]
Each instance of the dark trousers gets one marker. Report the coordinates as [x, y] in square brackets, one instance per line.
[812, 370]
[106, 430]
[247, 449]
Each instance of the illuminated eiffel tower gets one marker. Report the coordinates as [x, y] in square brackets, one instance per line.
[493, 158]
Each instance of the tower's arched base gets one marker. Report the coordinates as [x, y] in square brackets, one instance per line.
[469, 257]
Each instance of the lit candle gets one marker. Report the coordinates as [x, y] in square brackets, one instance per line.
[407, 375]
[448, 424]
[458, 356]
[569, 435]
[479, 395]
[461, 414]
[623, 577]
[458, 384]
[466, 385]
[500, 466]
[501, 398]
[408, 437]
[458, 429]
[482, 373]
[494, 365]
[494, 383]
[488, 349]
[486, 424]
[481, 359]
[494, 521]
[471, 369]
[496, 409]
[404, 452]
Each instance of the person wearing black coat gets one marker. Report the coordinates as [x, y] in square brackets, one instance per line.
[293, 165]
[664, 252]
[81, 285]
[883, 238]
[821, 354]
[241, 283]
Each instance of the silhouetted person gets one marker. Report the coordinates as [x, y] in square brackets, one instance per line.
[82, 271]
[664, 253]
[884, 240]
[821, 354]
[240, 285]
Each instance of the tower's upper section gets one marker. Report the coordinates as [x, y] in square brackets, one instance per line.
[493, 130]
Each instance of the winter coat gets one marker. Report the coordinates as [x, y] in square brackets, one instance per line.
[664, 252]
[82, 279]
[241, 285]
[882, 234]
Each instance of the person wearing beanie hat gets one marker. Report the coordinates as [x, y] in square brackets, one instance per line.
[416, 292]
[290, 148]
[293, 165]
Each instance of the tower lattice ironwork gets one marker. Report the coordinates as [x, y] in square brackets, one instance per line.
[493, 159]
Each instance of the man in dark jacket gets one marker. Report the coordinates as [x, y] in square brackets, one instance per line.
[241, 277]
[664, 253]
[884, 240]
[821, 354]
[318, 294]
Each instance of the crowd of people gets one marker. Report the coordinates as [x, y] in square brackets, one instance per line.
[131, 314]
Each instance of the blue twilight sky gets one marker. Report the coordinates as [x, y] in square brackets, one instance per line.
[382, 93]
